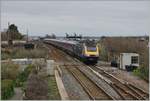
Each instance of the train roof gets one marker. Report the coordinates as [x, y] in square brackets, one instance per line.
[63, 41]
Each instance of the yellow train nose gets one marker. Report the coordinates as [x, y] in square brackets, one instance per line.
[92, 54]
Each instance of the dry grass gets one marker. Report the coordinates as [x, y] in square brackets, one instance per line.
[23, 53]
[9, 71]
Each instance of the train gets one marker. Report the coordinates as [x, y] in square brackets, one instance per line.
[86, 51]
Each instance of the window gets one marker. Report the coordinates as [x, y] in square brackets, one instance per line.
[91, 49]
[134, 59]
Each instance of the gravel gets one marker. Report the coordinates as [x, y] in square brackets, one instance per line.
[127, 76]
[101, 83]
[73, 88]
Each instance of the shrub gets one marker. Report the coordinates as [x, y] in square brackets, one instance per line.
[22, 77]
[9, 70]
[23, 53]
[142, 72]
[5, 56]
[7, 88]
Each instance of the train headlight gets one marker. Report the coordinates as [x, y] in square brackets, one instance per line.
[87, 55]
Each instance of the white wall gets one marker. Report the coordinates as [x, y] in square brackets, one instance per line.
[125, 59]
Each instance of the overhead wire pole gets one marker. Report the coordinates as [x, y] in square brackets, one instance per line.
[27, 35]
[8, 33]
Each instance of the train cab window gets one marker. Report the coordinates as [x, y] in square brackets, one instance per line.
[91, 49]
[134, 59]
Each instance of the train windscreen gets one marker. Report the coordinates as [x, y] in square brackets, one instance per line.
[91, 49]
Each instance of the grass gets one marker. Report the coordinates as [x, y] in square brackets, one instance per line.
[142, 72]
[11, 77]
[7, 89]
[53, 92]
[23, 53]
[9, 71]
[22, 77]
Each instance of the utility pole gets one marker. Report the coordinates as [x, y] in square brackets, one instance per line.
[8, 32]
[27, 36]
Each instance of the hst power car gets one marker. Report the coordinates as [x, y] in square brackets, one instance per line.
[87, 51]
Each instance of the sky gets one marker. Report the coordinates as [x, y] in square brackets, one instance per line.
[89, 18]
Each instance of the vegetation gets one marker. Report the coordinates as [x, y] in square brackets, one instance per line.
[116, 45]
[5, 55]
[23, 53]
[52, 36]
[22, 77]
[11, 77]
[11, 33]
[36, 87]
[52, 89]
[9, 71]
[103, 53]
[111, 47]
[7, 89]
[142, 72]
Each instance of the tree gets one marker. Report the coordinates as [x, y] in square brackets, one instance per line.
[13, 32]
[53, 36]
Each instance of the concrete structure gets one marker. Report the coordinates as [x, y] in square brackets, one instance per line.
[62, 91]
[50, 67]
[129, 59]
[22, 63]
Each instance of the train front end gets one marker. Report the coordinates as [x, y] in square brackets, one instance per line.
[91, 53]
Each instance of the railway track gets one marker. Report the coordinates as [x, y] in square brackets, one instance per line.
[94, 92]
[126, 90]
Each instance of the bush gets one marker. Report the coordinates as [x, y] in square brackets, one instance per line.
[5, 56]
[22, 77]
[7, 88]
[142, 72]
[23, 53]
[9, 71]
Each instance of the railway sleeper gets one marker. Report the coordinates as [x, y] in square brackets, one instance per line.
[132, 88]
[104, 90]
[115, 88]
[141, 96]
[88, 89]
[128, 94]
[137, 88]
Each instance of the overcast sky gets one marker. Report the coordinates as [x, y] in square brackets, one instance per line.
[95, 18]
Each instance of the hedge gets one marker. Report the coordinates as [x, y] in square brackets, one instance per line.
[7, 89]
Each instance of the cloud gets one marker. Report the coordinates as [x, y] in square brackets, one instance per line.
[98, 18]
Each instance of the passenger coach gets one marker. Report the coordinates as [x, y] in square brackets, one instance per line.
[86, 51]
